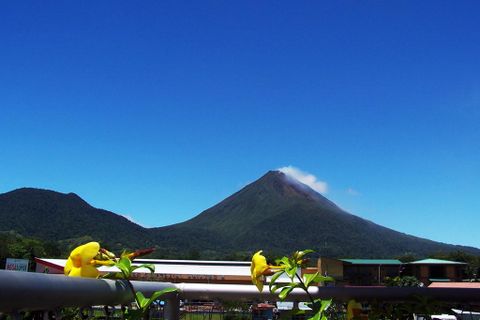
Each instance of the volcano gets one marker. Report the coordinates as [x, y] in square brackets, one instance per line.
[279, 214]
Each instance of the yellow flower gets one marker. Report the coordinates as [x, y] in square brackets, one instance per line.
[80, 263]
[354, 309]
[258, 269]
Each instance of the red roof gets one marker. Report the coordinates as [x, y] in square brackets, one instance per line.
[48, 264]
[455, 285]
[265, 306]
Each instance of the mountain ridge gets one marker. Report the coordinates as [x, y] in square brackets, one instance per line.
[275, 213]
[51, 215]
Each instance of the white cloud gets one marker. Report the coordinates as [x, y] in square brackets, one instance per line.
[353, 192]
[305, 178]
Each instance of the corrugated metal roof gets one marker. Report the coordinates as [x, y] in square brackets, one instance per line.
[373, 261]
[194, 262]
[435, 261]
[179, 269]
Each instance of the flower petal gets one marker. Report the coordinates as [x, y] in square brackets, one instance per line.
[68, 267]
[86, 272]
[259, 284]
[75, 272]
[89, 271]
[87, 251]
[260, 263]
[78, 263]
[258, 267]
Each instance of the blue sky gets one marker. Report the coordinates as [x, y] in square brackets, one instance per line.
[161, 109]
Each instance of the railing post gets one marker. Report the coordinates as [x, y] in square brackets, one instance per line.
[16, 316]
[172, 308]
[295, 305]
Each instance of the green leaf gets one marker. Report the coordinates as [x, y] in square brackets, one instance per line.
[319, 307]
[321, 278]
[277, 286]
[291, 272]
[160, 293]
[285, 291]
[316, 316]
[274, 278]
[125, 262]
[285, 262]
[125, 266]
[145, 303]
[309, 278]
[150, 267]
[315, 277]
[325, 304]
[141, 299]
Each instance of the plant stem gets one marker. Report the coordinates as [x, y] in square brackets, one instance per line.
[305, 288]
[130, 285]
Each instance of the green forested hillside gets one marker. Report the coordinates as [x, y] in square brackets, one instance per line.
[274, 213]
[66, 218]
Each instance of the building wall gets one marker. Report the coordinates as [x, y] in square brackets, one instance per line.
[390, 271]
[40, 268]
[331, 267]
[426, 272]
[361, 275]
[451, 272]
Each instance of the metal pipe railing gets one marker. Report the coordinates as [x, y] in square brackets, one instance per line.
[36, 291]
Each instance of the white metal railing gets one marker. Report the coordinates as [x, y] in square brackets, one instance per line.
[21, 291]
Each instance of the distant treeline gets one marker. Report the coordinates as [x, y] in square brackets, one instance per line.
[14, 245]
